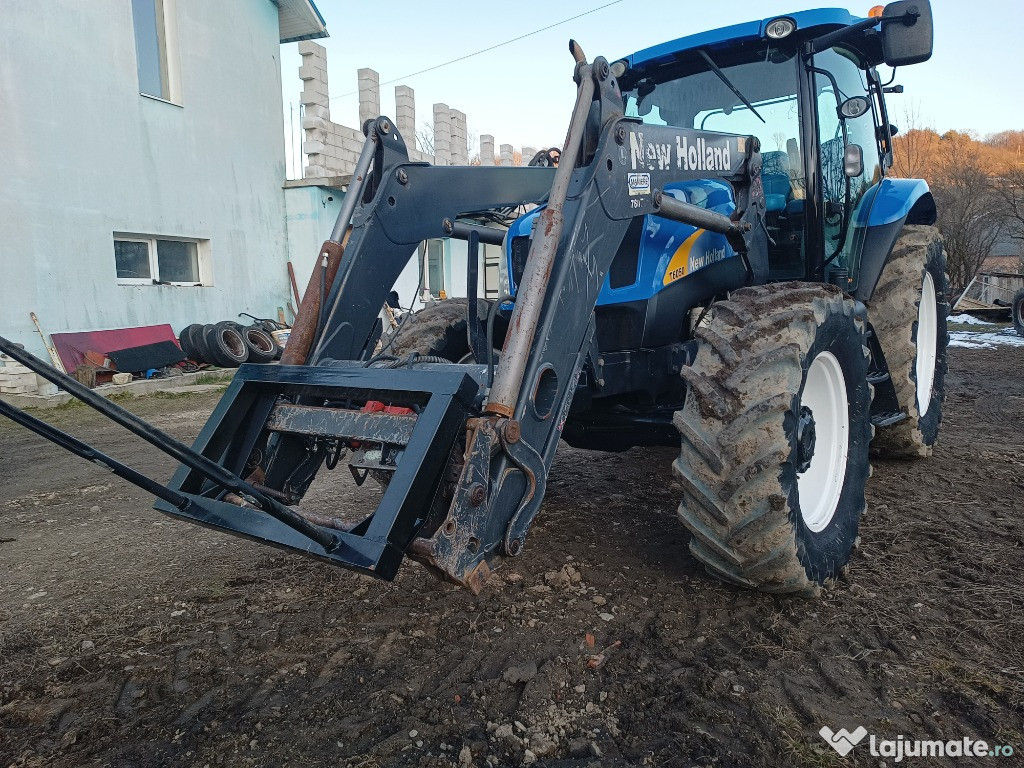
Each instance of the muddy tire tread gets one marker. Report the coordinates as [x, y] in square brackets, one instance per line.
[747, 371]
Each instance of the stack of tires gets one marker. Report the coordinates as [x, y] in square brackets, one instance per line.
[229, 344]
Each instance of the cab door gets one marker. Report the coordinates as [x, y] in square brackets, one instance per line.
[838, 77]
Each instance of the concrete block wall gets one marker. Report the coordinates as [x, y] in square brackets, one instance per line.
[332, 149]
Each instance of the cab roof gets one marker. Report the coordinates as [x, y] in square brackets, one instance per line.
[823, 19]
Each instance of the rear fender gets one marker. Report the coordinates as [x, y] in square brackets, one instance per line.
[894, 202]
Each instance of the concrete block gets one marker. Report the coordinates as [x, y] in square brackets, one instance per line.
[18, 379]
[11, 367]
[309, 71]
[321, 111]
[352, 145]
[314, 123]
[310, 98]
[309, 48]
[312, 147]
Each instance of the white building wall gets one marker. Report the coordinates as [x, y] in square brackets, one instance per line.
[84, 155]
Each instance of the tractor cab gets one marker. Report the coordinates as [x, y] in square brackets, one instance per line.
[816, 106]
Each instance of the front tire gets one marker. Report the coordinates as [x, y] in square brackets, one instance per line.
[775, 433]
[908, 311]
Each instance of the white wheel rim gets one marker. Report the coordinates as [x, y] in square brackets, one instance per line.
[821, 484]
[927, 335]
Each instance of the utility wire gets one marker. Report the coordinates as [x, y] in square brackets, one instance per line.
[486, 50]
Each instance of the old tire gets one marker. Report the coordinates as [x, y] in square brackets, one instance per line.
[1017, 312]
[200, 345]
[261, 345]
[908, 311]
[775, 433]
[438, 330]
[225, 344]
[187, 344]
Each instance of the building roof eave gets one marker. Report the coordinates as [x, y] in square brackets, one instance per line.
[299, 20]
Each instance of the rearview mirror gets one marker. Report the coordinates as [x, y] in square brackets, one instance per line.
[906, 32]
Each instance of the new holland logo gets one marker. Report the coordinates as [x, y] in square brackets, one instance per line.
[687, 154]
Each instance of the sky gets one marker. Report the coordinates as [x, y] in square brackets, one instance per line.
[522, 93]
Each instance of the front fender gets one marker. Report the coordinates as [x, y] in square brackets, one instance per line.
[880, 219]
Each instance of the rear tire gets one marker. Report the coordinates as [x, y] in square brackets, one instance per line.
[908, 311]
[439, 330]
[775, 432]
[1017, 312]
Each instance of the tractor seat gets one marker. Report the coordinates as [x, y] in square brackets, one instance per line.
[775, 179]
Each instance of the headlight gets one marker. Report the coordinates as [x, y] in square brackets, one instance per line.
[777, 29]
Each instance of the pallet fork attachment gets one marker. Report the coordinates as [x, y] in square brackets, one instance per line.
[206, 491]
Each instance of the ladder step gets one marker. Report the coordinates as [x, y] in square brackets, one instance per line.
[887, 419]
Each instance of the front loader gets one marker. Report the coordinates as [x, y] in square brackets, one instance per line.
[671, 282]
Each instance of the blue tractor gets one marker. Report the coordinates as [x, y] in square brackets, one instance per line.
[718, 262]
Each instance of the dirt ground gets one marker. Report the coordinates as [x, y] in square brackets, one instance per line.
[127, 639]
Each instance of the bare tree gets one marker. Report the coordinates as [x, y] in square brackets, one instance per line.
[915, 148]
[425, 138]
[1010, 190]
[970, 213]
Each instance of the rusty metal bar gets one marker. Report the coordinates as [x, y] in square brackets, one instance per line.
[307, 323]
[533, 287]
[336, 422]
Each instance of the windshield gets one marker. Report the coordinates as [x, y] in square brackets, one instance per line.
[690, 95]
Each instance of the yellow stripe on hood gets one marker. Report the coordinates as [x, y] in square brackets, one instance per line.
[679, 264]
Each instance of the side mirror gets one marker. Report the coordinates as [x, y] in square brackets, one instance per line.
[906, 32]
[853, 161]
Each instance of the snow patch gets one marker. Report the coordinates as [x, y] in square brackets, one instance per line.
[965, 319]
[986, 339]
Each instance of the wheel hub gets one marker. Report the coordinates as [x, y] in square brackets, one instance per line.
[805, 438]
